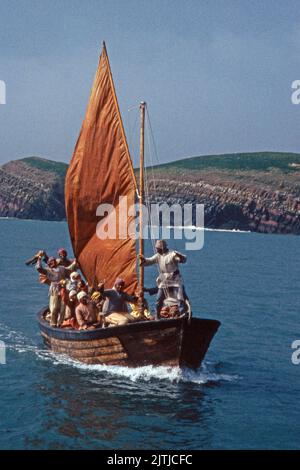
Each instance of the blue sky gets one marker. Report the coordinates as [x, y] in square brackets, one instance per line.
[216, 74]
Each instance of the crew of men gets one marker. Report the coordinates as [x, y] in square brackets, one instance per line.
[73, 303]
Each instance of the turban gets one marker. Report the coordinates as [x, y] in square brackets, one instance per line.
[74, 275]
[81, 295]
[96, 296]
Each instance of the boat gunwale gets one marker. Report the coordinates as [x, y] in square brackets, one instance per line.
[99, 333]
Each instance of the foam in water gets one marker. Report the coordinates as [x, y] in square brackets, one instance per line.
[144, 373]
[18, 342]
[198, 229]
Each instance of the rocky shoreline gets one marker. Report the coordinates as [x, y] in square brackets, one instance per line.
[235, 207]
[27, 192]
[266, 202]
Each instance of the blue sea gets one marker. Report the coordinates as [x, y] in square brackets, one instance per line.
[245, 395]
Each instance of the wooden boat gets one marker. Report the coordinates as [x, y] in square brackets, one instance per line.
[101, 172]
[165, 342]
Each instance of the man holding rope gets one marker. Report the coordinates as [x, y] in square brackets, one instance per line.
[169, 274]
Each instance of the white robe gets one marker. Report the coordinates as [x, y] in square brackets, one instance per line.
[168, 265]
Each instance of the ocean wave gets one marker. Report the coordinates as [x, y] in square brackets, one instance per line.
[214, 229]
[234, 230]
[193, 227]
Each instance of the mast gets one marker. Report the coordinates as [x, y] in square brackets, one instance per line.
[141, 202]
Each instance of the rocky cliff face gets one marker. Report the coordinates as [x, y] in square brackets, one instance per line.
[29, 192]
[261, 197]
[232, 205]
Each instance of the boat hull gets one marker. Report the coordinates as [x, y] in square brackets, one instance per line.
[167, 342]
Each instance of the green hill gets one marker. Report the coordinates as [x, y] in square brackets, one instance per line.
[59, 168]
[259, 161]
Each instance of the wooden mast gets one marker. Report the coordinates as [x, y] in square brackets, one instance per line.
[141, 202]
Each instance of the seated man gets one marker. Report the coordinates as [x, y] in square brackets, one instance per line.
[86, 314]
[97, 300]
[136, 313]
[115, 306]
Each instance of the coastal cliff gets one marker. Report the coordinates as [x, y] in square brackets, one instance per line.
[257, 191]
[32, 188]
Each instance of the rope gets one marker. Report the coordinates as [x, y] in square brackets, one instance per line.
[150, 134]
[147, 197]
[131, 128]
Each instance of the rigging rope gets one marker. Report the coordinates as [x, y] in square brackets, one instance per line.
[132, 128]
[150, 134]
[147, 196]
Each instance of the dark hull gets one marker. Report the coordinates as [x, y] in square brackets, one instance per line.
[172, 342]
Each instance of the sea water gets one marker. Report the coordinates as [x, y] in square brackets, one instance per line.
[245, 395]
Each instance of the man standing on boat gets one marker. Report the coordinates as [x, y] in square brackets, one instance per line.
[62, 259]
[55, 274]
[169, 274]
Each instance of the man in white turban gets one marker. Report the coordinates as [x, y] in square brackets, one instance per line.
[169, 274]
[86, 314]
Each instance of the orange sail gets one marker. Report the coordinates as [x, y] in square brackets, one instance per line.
[99, 173]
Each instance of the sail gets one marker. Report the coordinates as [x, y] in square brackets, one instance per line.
[99, 173]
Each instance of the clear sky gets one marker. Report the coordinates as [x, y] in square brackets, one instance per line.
[216, 74]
